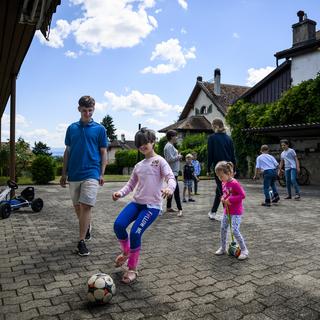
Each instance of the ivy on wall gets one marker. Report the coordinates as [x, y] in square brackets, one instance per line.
[300, 104]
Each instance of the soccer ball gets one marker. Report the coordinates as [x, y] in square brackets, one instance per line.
[101, 288]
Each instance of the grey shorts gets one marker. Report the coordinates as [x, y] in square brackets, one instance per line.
[84, 191]
[188, 183]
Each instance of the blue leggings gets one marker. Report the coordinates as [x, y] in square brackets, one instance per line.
[142, 217]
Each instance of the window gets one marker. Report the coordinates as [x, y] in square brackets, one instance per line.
[210, 108]
[197, 111]
[203, 110]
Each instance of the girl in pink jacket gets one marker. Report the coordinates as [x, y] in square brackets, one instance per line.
[147, 179]
[233, 195]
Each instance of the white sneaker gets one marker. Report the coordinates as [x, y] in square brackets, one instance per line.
[243, 255]
[220, 252]
[212, 215]
[180, 213]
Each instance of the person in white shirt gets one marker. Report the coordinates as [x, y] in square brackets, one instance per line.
[267, 164]
[290, 162]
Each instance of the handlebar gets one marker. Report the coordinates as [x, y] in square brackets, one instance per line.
[12, 185]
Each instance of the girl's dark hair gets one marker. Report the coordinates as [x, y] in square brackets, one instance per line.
[170, 134]
[225, 167]
[144, 136]
[285, 141]
[86, 101]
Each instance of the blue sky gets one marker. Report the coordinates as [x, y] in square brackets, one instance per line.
[140, 58]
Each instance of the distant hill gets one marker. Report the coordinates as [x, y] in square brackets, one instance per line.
[57, 152]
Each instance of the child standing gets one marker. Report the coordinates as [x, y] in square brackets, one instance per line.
[188, 176]
[267, 164]
[233, 195]
[147, 176]
[197, 171]
[290, 162]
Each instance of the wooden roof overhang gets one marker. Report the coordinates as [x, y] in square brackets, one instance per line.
[17, 30]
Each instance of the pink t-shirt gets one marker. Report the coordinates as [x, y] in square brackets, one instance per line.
[148, 176]
[233, 191]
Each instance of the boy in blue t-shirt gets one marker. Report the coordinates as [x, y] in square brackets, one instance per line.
[84, 163]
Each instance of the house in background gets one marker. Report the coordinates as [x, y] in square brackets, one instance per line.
[207, 101]
[302, 62]
[116, 145]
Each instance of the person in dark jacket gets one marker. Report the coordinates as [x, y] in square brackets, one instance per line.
[220, 148]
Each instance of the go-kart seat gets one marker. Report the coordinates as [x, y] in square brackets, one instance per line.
[27, 194]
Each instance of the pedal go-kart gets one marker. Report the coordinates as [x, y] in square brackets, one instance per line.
[26, 199]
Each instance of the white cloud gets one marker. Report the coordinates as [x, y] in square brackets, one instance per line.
[235, 35]
[255, 75]
[57, 34]
[31, 134]
[155, 122]
[183, 4]
[183, 31]
[129, 135]
[21, 121]
[137, 103]
[172, 52]
[158, 11]
[72, 54]
[105, 24]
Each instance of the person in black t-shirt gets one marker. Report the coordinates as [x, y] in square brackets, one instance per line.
[188, 176]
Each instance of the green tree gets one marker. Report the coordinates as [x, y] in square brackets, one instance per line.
[42, 169]
[107, 122]
[4, 159]
[41, 148]
[160, 146]
[23, 157]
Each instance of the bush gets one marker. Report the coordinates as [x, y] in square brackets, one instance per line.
[42, 169]
[126, 158]
[160, 146]
[113, 168]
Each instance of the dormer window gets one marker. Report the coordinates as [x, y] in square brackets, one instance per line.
[203, 110]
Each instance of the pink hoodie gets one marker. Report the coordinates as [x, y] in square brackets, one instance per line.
[233, 191]
[148, 176]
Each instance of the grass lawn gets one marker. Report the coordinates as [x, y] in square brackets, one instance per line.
[107, 178]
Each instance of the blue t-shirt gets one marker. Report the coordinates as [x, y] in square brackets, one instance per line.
[85, 142]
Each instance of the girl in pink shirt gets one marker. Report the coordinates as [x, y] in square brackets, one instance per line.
[233, 195]
[147, 180]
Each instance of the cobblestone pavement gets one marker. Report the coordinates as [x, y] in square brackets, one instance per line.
[180, 277]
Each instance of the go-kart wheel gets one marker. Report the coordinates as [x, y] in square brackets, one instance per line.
[5, 210]
[37, 205]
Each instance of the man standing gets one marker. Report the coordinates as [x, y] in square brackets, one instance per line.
[173, 157]
[84, 163]
[220, 148]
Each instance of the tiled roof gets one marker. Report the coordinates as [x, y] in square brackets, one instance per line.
[289, 130]
[229, 93]
[127, 144]
[193, 123]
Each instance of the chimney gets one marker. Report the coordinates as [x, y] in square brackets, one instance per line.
[123, 138]
[217, 87]
[304, 30]
[199, 78]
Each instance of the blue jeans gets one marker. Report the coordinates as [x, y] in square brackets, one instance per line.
[291, 178]
[142, 217]
[269, 178]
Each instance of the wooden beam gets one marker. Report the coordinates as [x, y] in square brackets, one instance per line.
[12, 167]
